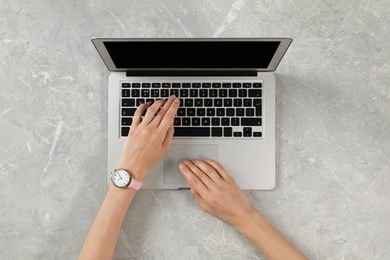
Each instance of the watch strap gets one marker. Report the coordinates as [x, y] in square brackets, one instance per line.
[134, 184]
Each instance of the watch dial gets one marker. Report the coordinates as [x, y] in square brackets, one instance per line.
[120, 178]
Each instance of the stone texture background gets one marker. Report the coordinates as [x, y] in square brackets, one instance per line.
[332, 198]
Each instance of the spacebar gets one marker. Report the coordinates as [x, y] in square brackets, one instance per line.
[192, 131]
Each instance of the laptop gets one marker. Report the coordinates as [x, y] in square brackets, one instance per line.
[227, 93]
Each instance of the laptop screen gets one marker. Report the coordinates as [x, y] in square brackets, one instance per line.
[191, 54]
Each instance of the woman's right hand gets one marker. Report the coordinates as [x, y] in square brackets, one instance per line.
[216, 192]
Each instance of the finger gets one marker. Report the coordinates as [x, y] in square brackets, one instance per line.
[167, 120]
[138, 113]
[152, 110]
[208, 170]
[164, 109]
[221, 171]
[198, 172]
[193, 181]
[168, 138]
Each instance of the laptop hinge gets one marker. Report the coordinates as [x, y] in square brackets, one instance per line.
[196, 73]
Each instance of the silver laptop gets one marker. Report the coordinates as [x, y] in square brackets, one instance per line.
[227, 94]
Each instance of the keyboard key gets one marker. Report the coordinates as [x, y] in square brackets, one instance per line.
[240, 112]
[194, 92]
[215, 121]
[210, 111]
[247, 85]
[256, 85]
[183, 92]
[174, 91]
[200, 112]
[216, 85]
[146, 85]
[125, 131]
[235, 121]
[192, 131]
[227, 131]
[139, 101]
[247, 102]
[135, 92]
[236, 85]
[232, 92]
[125, 85]
[257, 134]
[196, 121]
[181, 112]
[165, 93]
[216, 131]
[198, 102]
[128, 102]
[189, 102]
[250, 112]
[247, 131]
[237, 134]
[218, 102]
[229, 111]
[190, 111]
[223, 93]
[145, 93]
[227, 85]
[206, 85]
[186, 85]
[166, 85]
[220, 112]
[257, 105]
[186, 121]
[205, 121]
[208, 102]
[127, 121]
[213, 93]
[225, 121]
[196, 85]
[156, 85]
[176, 85]
[254, 93]
[237, 102]
[150, 100]
[251, 121]
[203, 93]
[242, 93]
[155, 93]
[125, 92]
[227, 102]
[177, 121]
[136, 85]
[128, 111]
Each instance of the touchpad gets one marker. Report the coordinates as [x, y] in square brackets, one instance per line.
[179, 152]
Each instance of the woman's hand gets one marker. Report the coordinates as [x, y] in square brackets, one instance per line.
[149, 140]
[216, 192]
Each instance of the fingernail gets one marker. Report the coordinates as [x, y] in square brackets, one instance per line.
[181, 166]
[172, 97]
[176, 100]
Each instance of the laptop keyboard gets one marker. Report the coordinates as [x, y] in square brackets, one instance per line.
[215, 109]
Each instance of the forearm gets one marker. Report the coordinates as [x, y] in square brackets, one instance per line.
[267, 239]
[101, 239]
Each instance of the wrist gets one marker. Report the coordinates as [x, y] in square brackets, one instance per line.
[247, 222]
[135, 170]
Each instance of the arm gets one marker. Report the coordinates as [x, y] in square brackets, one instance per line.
[148, 142]
[219, 195]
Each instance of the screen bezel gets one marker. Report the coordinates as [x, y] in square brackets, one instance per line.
[282, 48]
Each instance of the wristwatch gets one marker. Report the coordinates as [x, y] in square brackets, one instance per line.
[121, 178]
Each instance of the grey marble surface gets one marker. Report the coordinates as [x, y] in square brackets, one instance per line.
[332, 198]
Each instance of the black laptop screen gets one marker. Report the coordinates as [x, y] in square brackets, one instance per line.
[191, 54]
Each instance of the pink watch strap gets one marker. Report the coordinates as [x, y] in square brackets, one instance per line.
[134, 184]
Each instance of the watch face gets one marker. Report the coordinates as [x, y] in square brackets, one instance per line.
[120, 178]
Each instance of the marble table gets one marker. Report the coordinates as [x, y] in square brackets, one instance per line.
[332, 198]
